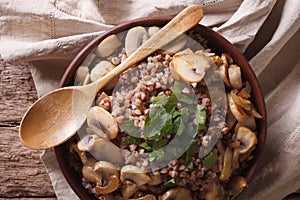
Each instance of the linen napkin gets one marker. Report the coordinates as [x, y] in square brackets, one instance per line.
[48, 34]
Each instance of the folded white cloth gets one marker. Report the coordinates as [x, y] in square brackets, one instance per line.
[48, 34]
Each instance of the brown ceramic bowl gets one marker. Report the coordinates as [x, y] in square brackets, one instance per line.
[218, 45]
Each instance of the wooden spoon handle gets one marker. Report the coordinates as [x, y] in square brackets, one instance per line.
[182, 22]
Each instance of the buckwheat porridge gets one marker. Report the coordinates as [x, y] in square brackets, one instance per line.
[165, 129]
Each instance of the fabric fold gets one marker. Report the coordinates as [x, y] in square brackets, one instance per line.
[48, 34]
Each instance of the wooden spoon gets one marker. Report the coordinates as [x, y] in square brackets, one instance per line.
[56, 117]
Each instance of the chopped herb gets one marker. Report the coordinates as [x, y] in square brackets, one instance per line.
[129, 127]
[131, 140]
[170, 183]
[159, 144]
[156, 155]
[189, 155]
[210, 160]
[171, 104]
[168, 102]
[161, 100]
[187, 99]
[155, 121]
[176, 88]
[145, 146]
[201, 117]
[176, 113]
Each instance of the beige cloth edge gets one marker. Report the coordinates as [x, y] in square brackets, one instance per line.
[272, 49]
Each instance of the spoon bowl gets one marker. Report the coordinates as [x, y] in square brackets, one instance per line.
[56, 117]
[56, 108]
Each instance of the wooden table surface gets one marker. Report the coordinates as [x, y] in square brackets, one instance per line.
[22, 174]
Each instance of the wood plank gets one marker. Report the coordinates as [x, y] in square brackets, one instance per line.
[22, 173]
[17, 92]
[37, 198]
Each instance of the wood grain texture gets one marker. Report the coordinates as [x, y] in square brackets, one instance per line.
[22, 173]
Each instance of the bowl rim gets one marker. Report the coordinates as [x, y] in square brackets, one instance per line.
[67, 77]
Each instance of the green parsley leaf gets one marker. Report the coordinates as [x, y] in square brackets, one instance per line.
[159, 144]
[170, 183]
[161, 100]
[168, 102]
[210, 160]
[171, 104]
[129, 127]
[145, 146]
[189, 154]
[187, 99]
[176, 113]
[131, 140]
[201, 117]
[155, 122]
[156, 155]
[176, 88]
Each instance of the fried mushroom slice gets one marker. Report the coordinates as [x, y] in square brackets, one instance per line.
[90, 175]
[102, 123]
[249, 123]
[110, 177]
[215, 190]
[152, 30]
[81, 73]
[135, 37]
[132, 178]
[107, 151]
[108, 46]
[236, 185]
[128, 188]
[174, 46]
[247, 138]
[235, 76]
[135, 174]
[155, 179]
[177, 193]
[100, 70]
[189, 66]
[227, 165]
[147, 197]
[238, 112]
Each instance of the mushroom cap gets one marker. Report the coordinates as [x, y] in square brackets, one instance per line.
[215, 190]
[90, 175]
[155, 179]
[108, 46]
[86, 142]
[134, 174]
[106, 169]
[174, 47]
[235, 76]
[110, 174]
[249, 123]
[190, 67]
[102, 68]
[147, 197]
[102, 122]
[128, 188]
[223, 70]
[177, 193]
[81, 73]
[135, 38]
[247, 138]
[238, 112]
[105, 150]
[237, 184]
[152, 30]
